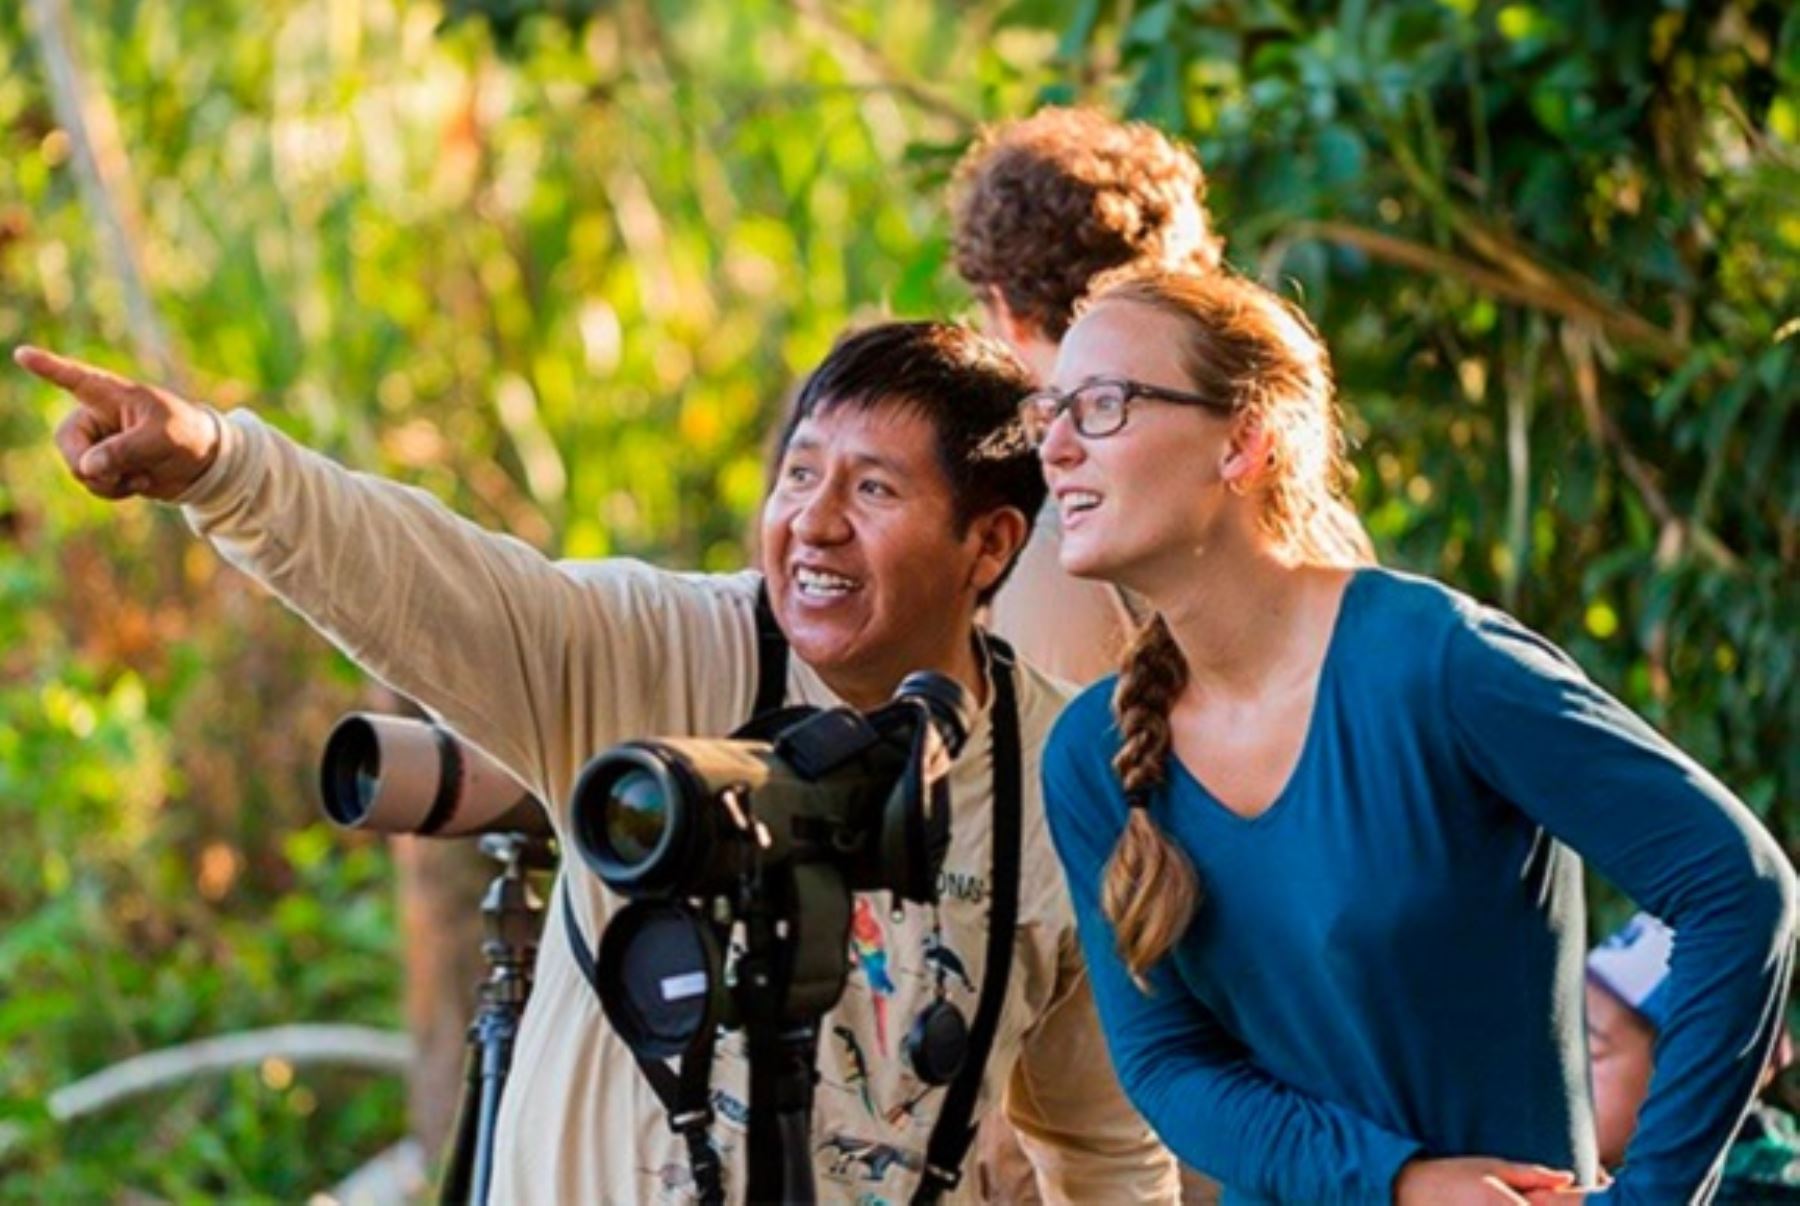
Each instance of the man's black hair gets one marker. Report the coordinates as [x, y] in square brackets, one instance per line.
[966, 385]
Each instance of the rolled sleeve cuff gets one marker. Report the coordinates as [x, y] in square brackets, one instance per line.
[233, 471]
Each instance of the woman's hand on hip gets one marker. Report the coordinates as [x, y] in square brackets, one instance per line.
[1475, 1181]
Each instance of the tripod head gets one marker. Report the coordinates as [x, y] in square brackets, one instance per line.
[511, 914]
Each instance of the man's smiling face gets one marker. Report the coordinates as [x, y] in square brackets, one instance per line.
[868, 573]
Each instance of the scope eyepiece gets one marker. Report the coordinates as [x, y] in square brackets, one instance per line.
[952, 708]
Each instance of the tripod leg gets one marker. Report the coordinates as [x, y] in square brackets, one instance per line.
[453, 1188]
[781, 1097]
[498, 1030]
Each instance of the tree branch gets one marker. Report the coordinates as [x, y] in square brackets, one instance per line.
[381, 1050]
[1678, 532]
[364, 1046]
[103, 177]
[1524, 284]
[854, 46]
[1552, 289]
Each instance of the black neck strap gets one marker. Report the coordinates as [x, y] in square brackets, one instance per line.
[954, 1132]
[771, 657]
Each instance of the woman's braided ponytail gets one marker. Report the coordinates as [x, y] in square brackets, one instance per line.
[1150, 890]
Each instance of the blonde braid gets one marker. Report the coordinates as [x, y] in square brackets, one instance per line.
[1149, 890]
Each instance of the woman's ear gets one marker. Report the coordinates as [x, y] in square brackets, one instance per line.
[1249, 455]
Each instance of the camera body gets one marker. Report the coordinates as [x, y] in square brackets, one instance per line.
[704, 834]
[668, 817]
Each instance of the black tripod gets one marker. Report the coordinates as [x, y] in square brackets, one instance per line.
[791, 973]
[782, 1075]
[511, 914]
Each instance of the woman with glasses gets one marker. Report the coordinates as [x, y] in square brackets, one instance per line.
[1323, 830]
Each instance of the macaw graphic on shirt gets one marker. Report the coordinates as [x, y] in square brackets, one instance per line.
[940, 957]
[865, 1159]
[868, 950]
[859, 1067]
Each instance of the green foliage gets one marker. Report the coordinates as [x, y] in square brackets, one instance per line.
[506, 19]
[1545, 243]
[567, 290]
[567, 287]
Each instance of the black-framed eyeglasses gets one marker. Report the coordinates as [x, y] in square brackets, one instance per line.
[1099, 408]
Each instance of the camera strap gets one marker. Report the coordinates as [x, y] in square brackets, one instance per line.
[771, 657]
[953, 1132]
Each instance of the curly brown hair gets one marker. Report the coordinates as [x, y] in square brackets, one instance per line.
[1043, 204]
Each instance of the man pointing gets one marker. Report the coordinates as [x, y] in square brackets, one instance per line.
[883, 533]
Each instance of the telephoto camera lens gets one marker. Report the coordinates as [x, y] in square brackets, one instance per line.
[700, 833]
[662, 817]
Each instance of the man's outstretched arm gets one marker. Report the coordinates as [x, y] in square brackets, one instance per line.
[528, 661]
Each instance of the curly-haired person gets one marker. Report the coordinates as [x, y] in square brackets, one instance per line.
[1045, 204]
[1040, 207]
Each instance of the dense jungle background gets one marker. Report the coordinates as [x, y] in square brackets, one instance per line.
[560, 261]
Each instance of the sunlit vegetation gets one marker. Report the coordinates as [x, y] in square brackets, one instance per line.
[562, 271]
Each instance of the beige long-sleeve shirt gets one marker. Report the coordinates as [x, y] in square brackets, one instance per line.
[544, 665]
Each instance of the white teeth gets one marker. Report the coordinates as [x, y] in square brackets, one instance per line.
[822, 584]
[1076, 501]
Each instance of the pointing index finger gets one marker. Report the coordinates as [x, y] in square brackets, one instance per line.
[94, 386]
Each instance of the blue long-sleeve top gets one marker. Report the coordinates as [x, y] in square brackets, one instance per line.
[1387, 962]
